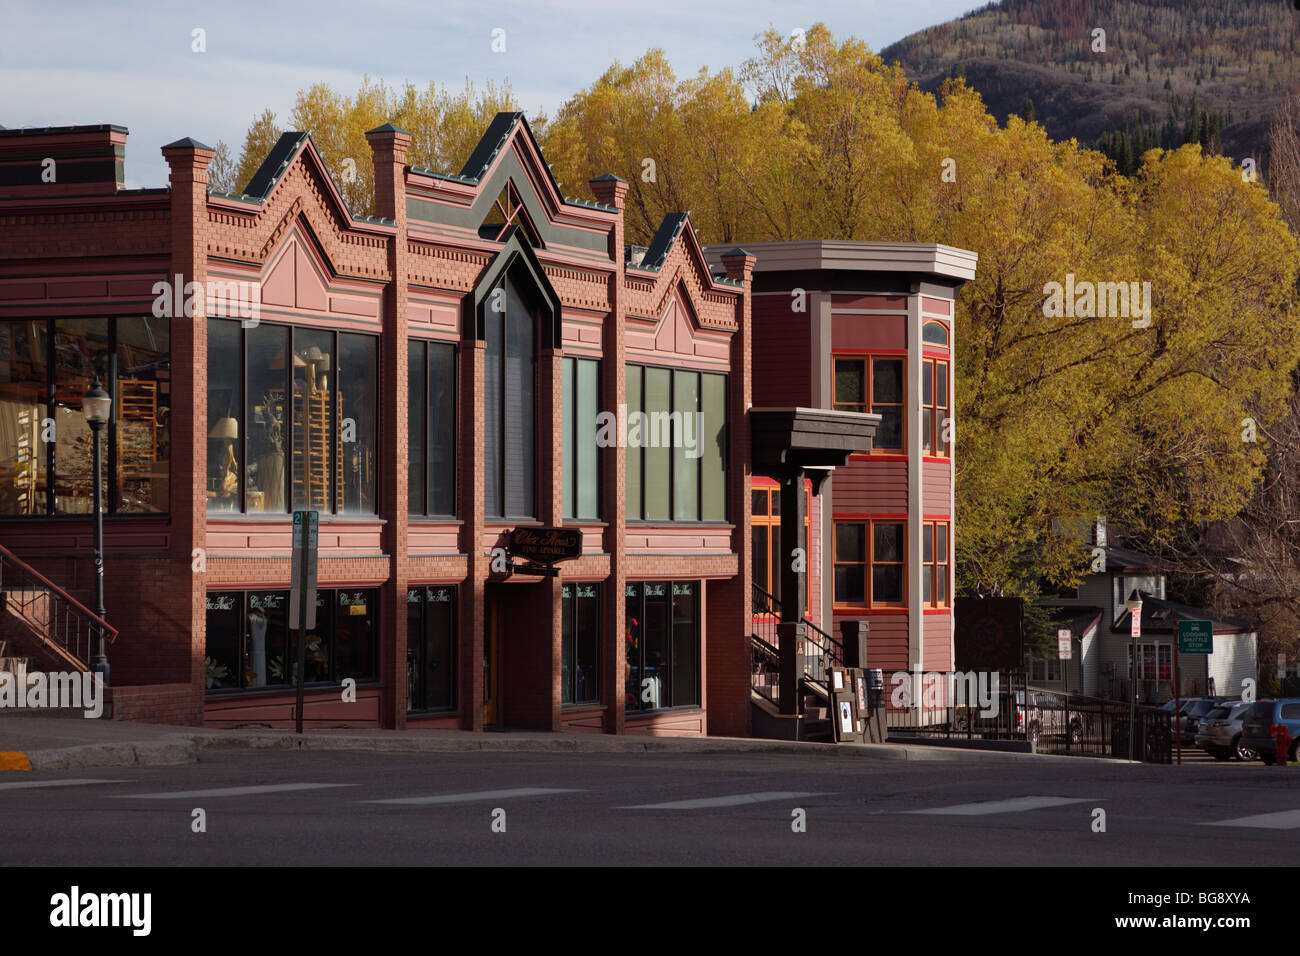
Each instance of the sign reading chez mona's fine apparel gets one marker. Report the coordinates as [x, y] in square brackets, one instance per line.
[546, 545]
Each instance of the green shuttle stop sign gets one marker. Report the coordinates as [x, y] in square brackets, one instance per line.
[1195, 637]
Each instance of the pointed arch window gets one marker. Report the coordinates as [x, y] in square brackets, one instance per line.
[510, 400]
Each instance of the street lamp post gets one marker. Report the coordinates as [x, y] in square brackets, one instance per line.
[1134, 605]
[97, 406]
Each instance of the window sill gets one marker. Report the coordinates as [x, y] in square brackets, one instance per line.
[315, 687]
[663, 523]
[593, 706]
[234, 516]
[663, 711]
[852, 610]
[434, 519]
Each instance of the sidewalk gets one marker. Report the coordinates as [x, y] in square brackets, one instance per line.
[69, 743]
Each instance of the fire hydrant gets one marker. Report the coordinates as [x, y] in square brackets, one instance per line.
[1283, 738]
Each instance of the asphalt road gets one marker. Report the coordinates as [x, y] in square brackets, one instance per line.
[340, 809]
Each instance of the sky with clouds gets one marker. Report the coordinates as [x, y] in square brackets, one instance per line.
[130, 62]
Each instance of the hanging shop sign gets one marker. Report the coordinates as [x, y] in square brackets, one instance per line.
[546, 545]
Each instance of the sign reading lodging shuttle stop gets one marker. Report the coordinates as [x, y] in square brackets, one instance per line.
[1195, 637]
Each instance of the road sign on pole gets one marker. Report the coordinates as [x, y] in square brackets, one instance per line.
[1195, 637]
[302, 592]
[1134, 605]
[1063, 647]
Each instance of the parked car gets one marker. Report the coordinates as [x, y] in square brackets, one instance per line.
[1219, 731]
[1191, 715]
[1263, 716]
[1047, 716]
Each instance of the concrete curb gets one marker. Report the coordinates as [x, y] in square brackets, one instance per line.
[183, 748]
[153, 753]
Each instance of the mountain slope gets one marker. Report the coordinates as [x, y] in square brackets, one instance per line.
[1210, 68]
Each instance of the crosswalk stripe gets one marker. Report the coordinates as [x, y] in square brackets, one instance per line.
[736, 800]
[33, 784]
[1282, 820]
[1014, 805]
[230, 791]
[471, 797]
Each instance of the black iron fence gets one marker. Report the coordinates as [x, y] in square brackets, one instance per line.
[975, 707]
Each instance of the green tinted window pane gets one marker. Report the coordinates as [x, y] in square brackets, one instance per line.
[635, 463]
[658, 471]
[713, 448]
[687, 436]
[927, 383]
[759, 502]
[927, 544]
[941, 384]
[567, 446]
[927, 583]
[587, 406]
[934, 334]
[943, 542]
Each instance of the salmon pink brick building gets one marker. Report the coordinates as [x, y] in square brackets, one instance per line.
[438, 382]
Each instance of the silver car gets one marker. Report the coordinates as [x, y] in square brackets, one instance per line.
[1219, 731]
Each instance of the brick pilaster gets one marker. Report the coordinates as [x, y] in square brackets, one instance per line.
[729, 617]
[190, 229]
[388, 146]
[612, 191]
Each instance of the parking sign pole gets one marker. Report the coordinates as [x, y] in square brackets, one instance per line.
[1178, 737]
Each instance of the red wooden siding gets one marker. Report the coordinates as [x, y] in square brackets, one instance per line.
[871, 487]
[782, 359]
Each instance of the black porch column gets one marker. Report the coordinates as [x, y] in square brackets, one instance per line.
[791, 631]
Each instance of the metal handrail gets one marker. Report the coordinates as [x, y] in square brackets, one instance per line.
[56, 615]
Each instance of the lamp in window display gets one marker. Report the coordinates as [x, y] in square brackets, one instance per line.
[227, 478]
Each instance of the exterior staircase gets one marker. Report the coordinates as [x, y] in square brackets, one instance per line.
[811, 719]
[42, 626]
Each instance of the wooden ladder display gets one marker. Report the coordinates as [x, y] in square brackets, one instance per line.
[311, 446]
[137, 427]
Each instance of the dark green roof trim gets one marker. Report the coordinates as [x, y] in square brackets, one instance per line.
[664, 240]
[189, 142]
[59, 130]
[485, 153]
[423, 171]
[387, 128]
[274, 166]
[609, 178]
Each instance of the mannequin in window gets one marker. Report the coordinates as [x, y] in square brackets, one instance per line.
[257, 650]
